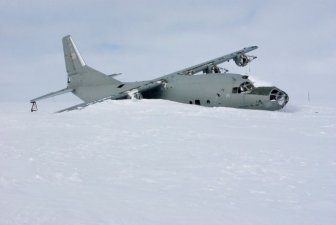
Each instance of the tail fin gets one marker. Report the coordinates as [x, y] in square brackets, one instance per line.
[73, 60]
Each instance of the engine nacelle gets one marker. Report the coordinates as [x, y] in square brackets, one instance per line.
[241, 60]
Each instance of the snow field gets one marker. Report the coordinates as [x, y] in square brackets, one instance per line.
[160, 162]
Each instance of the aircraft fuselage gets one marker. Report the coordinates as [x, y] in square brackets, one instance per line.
[216, 90]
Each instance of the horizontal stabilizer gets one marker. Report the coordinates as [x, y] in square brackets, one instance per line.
[114, 74]
[85, 104]
[145, 87]
[52, 94]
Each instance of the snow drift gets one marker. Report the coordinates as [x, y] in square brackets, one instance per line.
[159, 162]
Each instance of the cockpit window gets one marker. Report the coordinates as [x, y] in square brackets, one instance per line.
[235, 90]
[244, 87]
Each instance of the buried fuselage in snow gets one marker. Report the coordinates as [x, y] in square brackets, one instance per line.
[203, 84]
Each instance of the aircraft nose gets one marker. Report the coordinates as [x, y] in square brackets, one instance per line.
[279, 96]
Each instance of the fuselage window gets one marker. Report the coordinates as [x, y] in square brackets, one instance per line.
[190, 102]
[235, 90]
[208, 101]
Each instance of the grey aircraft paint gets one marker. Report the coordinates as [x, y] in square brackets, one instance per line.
[212, 88]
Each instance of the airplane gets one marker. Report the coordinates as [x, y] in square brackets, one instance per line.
[203, 84]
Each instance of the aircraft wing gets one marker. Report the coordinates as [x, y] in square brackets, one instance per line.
[137, 89]
[200, 67]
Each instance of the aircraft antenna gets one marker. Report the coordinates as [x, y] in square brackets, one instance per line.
[308, 98]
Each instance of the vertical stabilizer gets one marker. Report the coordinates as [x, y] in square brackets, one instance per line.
[73, 60]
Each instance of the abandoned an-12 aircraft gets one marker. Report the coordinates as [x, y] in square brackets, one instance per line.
[203, 84]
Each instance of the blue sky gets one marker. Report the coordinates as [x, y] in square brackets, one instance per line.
[146, 39]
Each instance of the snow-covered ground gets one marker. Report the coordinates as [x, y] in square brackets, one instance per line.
[160, 162]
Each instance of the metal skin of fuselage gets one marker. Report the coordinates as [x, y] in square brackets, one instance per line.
[210, 89]
[215, 90]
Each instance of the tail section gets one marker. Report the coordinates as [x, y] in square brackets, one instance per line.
[87, 83]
